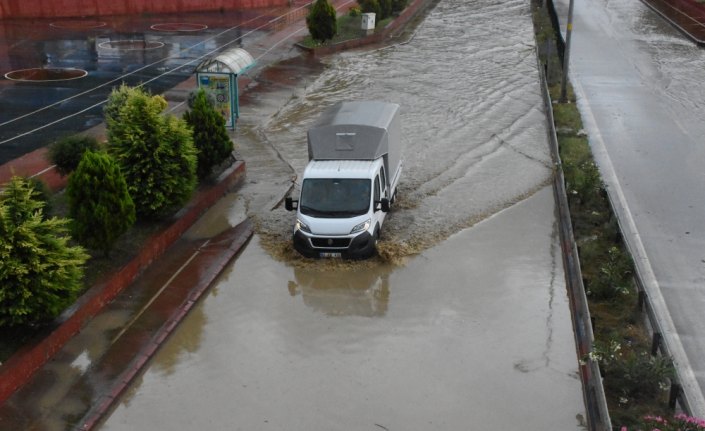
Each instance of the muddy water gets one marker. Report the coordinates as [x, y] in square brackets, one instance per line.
[454, 328]
[472, 119]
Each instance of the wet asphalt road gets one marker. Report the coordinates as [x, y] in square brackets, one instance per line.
[639, 83]
[469, 327]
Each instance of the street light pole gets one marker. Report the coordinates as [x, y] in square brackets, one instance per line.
[566, 53]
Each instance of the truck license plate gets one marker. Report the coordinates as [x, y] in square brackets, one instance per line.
[330, 255]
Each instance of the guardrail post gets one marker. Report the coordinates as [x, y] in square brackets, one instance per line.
[655, 343]
[641, 299]
[673, 395]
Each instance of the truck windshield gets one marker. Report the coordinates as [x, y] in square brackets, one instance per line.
[335, 197]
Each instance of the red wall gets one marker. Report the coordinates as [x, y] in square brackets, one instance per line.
[85, 8]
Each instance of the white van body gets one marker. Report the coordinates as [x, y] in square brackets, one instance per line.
[350, 180]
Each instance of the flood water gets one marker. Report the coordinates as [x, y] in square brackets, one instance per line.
[472, 119]
[462, 323]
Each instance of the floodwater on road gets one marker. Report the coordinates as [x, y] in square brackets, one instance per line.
[480, 340]
[472, 119]
[463, 323]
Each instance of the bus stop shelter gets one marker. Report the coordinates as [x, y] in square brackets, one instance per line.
[218, 76]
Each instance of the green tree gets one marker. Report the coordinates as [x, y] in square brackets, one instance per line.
[371, 6]
[155, 152]
[385, 7]
[398, 5]
[322, 21]
[66, 153]
[100, 205]
[40, 273]
[209, 134]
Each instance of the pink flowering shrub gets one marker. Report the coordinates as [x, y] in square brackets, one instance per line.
[679, 422]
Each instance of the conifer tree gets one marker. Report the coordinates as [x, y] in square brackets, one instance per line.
[40, 273]
[155, 152]
[209, 134]
[322, 21]
[101, 207]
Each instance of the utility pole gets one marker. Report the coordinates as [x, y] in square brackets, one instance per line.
[566, 53]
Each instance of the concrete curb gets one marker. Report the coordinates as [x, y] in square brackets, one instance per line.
[237, 238]
[17, 370]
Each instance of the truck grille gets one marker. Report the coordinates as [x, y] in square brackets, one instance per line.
[330, 242]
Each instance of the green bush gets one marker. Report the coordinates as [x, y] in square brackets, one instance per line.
[355, 11]
[209, 134]
[398, 5]
[40, 273]
[101, 207]
[155, 153]
[614, 277]
[42, 194]
[371, 6]
[385, 7]
[67, 153]
[322, 21]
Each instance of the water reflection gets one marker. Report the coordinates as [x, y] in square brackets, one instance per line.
[360, 291]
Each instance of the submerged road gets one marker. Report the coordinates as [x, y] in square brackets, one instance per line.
[469, 327]
[640, 90]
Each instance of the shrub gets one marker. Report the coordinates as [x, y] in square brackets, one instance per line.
[385, 7]
[155, 153]
[614, 278]
[322, 21]
[368, 6]
[635, 375]
[101, 207]
[355, 11]
[398, 5]
[41, 194]
[67, 153]
[40, 273]
[209, 134]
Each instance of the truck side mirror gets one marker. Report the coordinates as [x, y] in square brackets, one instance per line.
[289, 204]
[385, 205]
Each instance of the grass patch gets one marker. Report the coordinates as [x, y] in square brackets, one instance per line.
[635, 382]
[348, 29]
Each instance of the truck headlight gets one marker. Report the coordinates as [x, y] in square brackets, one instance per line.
[301, 226]
[360, 227]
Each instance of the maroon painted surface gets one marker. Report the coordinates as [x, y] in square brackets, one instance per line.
[88, 8]
[23, 364]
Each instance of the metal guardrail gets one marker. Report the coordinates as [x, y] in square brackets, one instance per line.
[593, 390]
[598, 418]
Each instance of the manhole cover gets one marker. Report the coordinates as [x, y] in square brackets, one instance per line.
[178, 26]
[78, 24]
[131, 45]
[45, 74]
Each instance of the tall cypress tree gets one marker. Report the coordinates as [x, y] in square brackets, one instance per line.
[322, 21]
[40, 273]
[209, 134]
[100, 205]
[155, 152]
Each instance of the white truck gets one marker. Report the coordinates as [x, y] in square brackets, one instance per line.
[351, 179]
